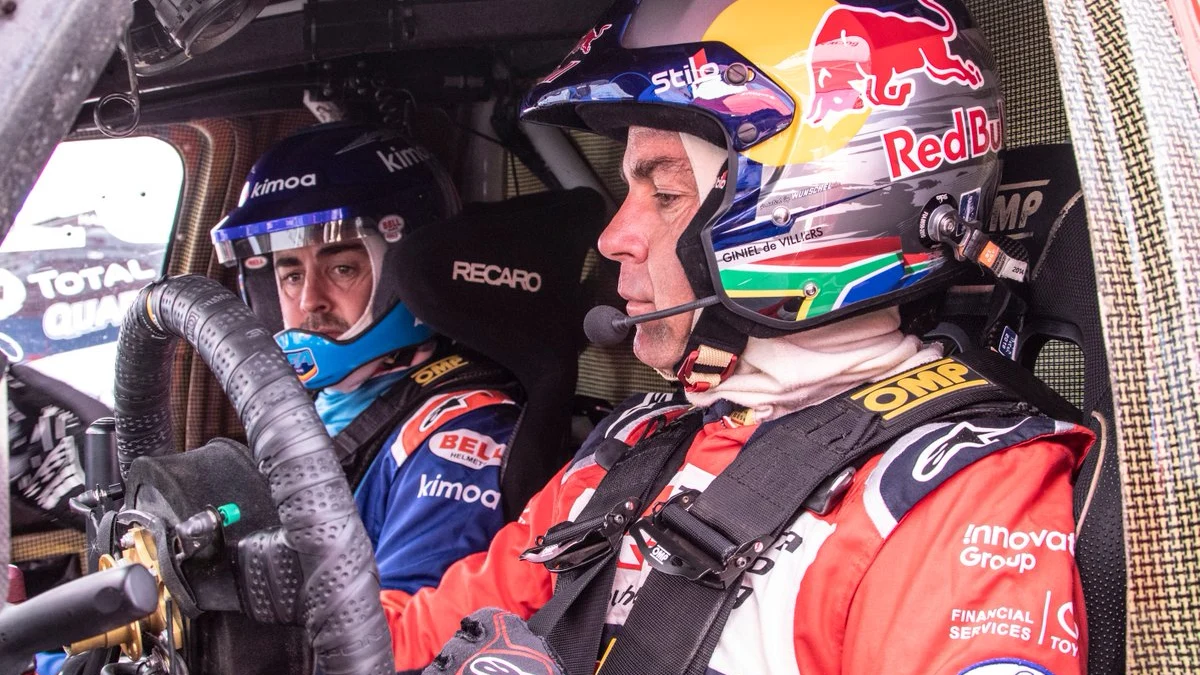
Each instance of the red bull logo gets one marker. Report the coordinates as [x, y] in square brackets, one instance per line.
[584, 46]
[974, 134]
[863, 58]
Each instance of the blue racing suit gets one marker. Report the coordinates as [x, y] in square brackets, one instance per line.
[432, 493]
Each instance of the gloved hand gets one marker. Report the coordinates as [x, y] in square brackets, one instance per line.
[495, 642]
[272, 581]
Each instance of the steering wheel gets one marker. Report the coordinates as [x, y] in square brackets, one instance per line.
[337, 590]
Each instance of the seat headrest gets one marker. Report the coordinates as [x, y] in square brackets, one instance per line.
[505, 278]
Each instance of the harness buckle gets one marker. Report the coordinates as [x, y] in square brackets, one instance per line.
[571, 545]
[674, 541]
[705, 367]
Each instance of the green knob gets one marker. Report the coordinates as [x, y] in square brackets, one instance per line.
[230, 514]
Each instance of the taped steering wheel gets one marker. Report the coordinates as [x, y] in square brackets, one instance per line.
[339, 590]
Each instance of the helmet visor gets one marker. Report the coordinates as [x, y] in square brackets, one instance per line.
[281, 234]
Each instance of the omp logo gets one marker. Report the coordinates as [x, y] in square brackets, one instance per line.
[895, 396]
[468, 448]
[266, 187]
[495, 275]
[398, 160]
[438, 368]
[660, 554]
[1015, 204]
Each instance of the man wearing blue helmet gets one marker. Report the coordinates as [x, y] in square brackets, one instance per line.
[420, 424]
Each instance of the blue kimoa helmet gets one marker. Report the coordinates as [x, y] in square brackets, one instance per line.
[334, 183]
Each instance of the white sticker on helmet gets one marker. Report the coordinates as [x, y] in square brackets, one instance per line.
[392, 228]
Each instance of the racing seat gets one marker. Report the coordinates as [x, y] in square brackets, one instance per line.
[1063, 307]
[509, 285]
[1040, 205]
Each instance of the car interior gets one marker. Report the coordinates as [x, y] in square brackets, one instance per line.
[1101, 186]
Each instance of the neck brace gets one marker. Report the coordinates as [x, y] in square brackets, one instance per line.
[780, 375]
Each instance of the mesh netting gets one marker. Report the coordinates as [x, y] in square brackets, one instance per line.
[218, 155]
[1133, 114]
[51, 544]
[1020, 40]
[1060, 365]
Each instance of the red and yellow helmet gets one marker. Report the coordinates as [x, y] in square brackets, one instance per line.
[844, 123]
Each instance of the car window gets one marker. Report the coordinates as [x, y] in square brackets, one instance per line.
[93, 231]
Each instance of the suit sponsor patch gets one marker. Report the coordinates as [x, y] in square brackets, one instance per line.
[925, 458]
[439, 410]
[468, 448]
[895, 396]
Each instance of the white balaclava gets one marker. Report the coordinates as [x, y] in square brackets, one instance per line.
[376, 249]
[779, 375]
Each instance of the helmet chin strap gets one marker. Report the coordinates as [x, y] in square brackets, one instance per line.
[714, 345]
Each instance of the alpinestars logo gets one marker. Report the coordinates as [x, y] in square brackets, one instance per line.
[963, 435]
[494, 665]
[452, 403]
[267, 187]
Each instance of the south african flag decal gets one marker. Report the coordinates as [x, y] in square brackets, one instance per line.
[841, 273]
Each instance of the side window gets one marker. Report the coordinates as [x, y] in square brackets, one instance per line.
[93, 231]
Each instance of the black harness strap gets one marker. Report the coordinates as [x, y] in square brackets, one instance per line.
[700, 544]
[448, 369]
[584, 551]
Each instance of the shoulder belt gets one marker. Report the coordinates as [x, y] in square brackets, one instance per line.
[449, 369]
[700, 543]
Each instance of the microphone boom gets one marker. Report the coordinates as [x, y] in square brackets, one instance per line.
[605, 325]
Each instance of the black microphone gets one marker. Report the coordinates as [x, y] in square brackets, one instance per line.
[605, 325]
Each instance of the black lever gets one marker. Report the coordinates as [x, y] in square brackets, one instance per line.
[88, 606]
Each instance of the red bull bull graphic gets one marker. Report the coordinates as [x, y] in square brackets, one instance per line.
[863, 58]
[584, 46]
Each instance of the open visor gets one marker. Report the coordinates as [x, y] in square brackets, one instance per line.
[243, 242]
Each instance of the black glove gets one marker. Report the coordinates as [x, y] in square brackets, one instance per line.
[495, 642]
[271, 581]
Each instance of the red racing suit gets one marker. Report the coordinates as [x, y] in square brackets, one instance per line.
[952, 552]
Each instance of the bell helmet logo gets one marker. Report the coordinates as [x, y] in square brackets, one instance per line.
[270, 186]
[256, 262]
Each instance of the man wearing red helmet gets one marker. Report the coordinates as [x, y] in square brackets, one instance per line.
[804, 170]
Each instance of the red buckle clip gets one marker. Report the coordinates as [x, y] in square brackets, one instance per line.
[684, 373]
